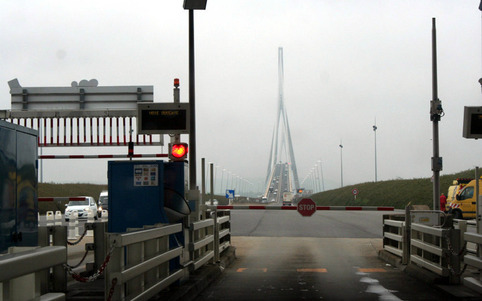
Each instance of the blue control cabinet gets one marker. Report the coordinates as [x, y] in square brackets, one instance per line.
[136, 194]
[18, 186]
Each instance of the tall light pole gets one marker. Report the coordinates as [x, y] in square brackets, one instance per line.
[322, 179]
[341, 162]
[191, 5]
[436, 112]
[375, 131]
[317, 178]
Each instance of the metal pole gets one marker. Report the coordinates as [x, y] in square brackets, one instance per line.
[375, 131]
[341, 163]
[192, 106]
[478, 204]
[203, 180]
[322, 179]
[212, 183]
[435, 112]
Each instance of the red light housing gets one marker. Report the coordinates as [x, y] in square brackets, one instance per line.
[178, 151]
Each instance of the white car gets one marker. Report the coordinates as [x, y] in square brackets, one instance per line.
[103, 203]
[83, 206]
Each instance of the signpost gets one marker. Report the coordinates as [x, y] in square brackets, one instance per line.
[230, 194]
[306, 207]
[355, 192]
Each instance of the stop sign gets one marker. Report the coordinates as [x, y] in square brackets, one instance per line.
[306, 207]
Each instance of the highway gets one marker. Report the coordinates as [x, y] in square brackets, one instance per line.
[329, 256]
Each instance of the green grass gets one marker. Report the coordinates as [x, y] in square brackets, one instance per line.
[396, 193]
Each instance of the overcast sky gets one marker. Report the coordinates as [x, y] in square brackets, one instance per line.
[346, 64]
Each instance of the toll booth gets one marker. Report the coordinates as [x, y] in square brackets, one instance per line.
[18, 186]
[143, 193]
[146, 193]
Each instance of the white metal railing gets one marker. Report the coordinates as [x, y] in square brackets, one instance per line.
[201, 245]
[466, 226]
[437, 250]
[223, 231]
[474, 261]
[21, 272]
[139, 267]
[395, 238]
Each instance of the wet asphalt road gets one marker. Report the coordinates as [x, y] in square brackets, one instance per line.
[329, 256]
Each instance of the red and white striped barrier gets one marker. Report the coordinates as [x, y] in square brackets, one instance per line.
[51, 199]
[318, 208]
[102, 156]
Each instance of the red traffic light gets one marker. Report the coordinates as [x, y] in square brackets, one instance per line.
[178, 151]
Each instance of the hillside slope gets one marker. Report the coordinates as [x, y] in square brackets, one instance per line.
[396, 193]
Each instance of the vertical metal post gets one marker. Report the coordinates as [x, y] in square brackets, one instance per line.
[216, 236]
[212, 182]
[203, 185]
[99, 241]
[435, 117]
[59, 273]
[44, 241]
[341, 163]
[192, 106]
[478, 209]
[375, 131]
[407, 235]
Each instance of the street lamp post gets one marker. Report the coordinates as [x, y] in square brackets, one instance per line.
[375, 131]
[321, 172]
[191, 5]
[341, 163]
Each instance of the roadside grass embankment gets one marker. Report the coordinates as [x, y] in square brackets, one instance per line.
[395, 193]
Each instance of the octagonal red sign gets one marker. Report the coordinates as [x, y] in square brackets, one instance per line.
[306, 207]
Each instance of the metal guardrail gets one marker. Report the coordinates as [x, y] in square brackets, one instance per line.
[474, 261]
[201, 245]
[31, 262]
[140, 267]
[223, 234]
[437, 250]
[395, 238]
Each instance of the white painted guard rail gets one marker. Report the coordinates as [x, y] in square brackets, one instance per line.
[474, 261]
[140, 267]
[31, 262]
[201, 246]
[395, 238]
[437, 250]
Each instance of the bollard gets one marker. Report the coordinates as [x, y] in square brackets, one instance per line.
[73, 226]
[105, 214]
[50, 218]
[90, 220]
[58, 218]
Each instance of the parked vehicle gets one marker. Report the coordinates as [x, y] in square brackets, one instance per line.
[83, 206]
[456, 187]
[103, 203]
[464, 206]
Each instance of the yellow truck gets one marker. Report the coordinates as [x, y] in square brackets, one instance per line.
[456, 187]
[465, 204]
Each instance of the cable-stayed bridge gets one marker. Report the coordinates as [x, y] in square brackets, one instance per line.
[282, 176]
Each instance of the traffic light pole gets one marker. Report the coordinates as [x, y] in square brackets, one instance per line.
[192, 106]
